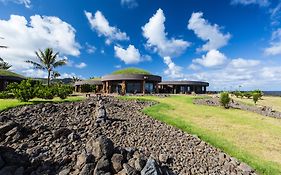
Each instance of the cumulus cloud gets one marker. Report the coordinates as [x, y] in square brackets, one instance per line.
[261, 3]
[26, 3]
[24, 37]
[90, 49]
[243, 63]
[213, 58]
[207, 32]
[129, 3]
[131, 55]
[154, 32]
[81, 65]
[101, 25]
[275, 44]
[173, 71]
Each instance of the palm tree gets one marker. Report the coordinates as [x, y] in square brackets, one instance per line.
[4, 65]
[47, 61]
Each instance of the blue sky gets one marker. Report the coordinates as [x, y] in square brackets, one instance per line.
[225, 42]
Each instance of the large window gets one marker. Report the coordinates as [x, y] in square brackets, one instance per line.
[148, 87]
[133, 87]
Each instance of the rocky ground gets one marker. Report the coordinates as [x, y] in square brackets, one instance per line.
[263, 110]
[66, 139]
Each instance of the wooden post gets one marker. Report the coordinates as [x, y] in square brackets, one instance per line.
[123, 86]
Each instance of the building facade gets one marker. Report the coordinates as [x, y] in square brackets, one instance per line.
[143, 83]
[183, 87]
[130, 83]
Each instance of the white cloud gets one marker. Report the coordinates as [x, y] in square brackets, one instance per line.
[101, 25]
[243, 63]
[23, 38]
[81, 65]
[271, 73]
[275, 44]
[193, 67]
[26, 3]
[118, 66]
[207, 32]
[129, 3]
[131, 55]
[90, 49]
[213, 58]
[275, 14]
[173, 71]
[154, 32]
[261, 3]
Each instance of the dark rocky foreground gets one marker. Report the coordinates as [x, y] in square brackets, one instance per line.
[66, 139]
[263, 110]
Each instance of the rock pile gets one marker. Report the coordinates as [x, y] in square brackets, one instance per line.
[101, 117]
[64, 139]
[263, 110]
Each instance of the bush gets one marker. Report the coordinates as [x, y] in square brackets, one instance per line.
[258, 92]
[248, 94]
[23, 91]
[238, 94]
[45, 92]
[88, 88]
[6, 95]
[256, 97]
[63, 91]
[225, 99]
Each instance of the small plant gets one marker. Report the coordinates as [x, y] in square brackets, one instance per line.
[248, 94]
[256, 97]
[23, 91]
[225, 99]
[6, 95]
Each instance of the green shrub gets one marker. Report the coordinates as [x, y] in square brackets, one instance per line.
[238, 94]
[248, 94]
[6, 95]
[23, 91]
[225, 99]
[63, 91]
[256, 97]
[258, 92]
[88, 88]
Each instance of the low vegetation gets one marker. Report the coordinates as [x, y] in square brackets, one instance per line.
[250, 137]
[225, 99]
[10, 103]
[131, 70]
[29, 89]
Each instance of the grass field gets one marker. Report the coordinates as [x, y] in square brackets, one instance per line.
[250, 137]
[10, 103]
[273, 102]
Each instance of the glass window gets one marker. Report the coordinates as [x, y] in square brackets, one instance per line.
[149, 87]
[133, 87]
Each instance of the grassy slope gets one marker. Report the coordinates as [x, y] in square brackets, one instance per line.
[10, 103]
[250, 137]
[9, 73]
[131, 70]
[274, 102]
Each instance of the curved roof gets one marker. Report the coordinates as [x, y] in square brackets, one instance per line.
[8, 75]
[184, 83]
[90, 82]
[131, 70]
[137, 77]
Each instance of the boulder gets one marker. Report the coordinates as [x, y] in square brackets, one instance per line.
[2, 163]
[88, 169]
[151, 168]
[117, 161]
[62, 132]
[129, 170]
[103, 166]
[100, 147]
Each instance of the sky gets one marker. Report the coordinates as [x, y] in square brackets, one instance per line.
[229, 43]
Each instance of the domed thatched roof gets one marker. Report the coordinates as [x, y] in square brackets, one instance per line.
[131, 70]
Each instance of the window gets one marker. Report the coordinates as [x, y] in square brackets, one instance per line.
[134, 87]
[149, 87]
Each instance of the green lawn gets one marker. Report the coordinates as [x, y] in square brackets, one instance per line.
[252, 138]
[10, 103]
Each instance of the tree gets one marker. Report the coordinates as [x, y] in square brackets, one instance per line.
[4, 65]
[225, 99]
[55, 74]
[47, 61]
[74, 79]
[256, 97]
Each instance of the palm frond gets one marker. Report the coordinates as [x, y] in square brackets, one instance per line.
[60, 63]
[36, 65]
